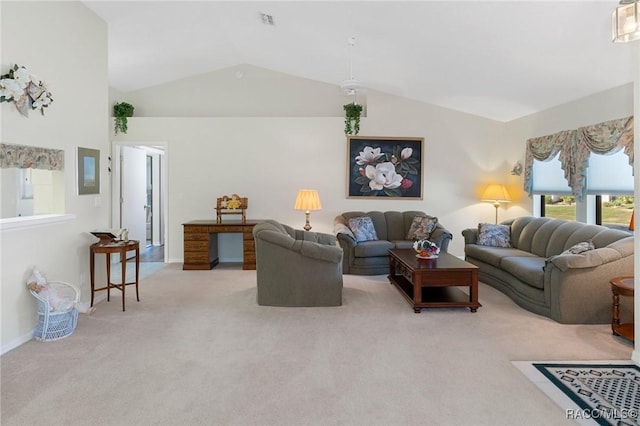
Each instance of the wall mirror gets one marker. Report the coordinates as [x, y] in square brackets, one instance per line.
[31, 181]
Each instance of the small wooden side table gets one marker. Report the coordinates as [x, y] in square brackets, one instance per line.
[109, 248]
[621, 286]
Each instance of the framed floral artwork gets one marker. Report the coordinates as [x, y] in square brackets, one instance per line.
[88, 171]
[384, 167]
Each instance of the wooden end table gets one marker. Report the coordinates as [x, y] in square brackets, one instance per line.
[431, 283]
[621, 286]
[109, 248]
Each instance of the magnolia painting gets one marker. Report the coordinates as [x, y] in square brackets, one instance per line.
[384, 167]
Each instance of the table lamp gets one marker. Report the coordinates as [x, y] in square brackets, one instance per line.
[496, 194]
[307, 200]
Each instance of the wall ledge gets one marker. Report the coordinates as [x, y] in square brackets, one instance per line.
[27, 222]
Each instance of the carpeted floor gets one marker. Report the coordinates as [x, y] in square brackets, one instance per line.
[197, 350]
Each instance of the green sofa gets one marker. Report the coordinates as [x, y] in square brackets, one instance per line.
[295, 267]
[537, 275]
[392, 227]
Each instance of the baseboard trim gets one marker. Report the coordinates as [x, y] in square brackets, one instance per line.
[17, 342]
[25, 338]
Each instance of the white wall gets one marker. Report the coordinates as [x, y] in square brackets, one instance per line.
[608, 105]
[239, 91]
[267, 159]
[65, 44]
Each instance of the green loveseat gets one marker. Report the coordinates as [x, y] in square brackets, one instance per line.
[295, 267]
[537, 275]
[392, 227]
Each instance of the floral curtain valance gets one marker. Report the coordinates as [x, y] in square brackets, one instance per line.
[25, 157]
[575, 146]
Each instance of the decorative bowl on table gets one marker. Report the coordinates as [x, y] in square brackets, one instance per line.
[426, 249]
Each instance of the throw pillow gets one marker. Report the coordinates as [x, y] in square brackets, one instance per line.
[362, 228]
[494, 235]
[422, 227]
[579, 248]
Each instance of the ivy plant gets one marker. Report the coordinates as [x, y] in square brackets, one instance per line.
[352, 118]
[121, 111]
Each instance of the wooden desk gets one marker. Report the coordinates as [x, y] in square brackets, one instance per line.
[201, 242]
[109, 248]
[621, 286]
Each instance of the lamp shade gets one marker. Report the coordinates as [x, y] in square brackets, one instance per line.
[496, 192]
[307, 199]
[626, 22]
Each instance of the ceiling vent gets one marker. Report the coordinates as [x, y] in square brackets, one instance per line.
[267, 19]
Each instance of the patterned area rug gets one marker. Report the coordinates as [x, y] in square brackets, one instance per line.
[604, 393]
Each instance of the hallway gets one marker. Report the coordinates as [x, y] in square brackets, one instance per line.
[152, 254]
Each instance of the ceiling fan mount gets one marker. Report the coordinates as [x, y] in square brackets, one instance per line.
[352, 86]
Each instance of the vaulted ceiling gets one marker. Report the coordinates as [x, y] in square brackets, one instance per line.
[496, 59]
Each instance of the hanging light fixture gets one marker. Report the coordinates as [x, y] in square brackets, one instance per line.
[351, 86]
[626, 22]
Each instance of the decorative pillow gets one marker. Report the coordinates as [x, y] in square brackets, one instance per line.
[580, 248]
[362, 228]
[422, 227]
[494, 235]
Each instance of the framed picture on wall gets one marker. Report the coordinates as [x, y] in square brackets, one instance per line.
[384, 167]
[88, 171]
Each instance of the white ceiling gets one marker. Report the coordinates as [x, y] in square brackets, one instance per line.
[495, 59]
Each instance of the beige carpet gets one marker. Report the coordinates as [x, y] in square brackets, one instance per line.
[197, 350]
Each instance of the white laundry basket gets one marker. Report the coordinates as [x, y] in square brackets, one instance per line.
[56, 325]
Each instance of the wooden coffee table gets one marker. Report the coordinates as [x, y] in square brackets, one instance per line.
[431, 283]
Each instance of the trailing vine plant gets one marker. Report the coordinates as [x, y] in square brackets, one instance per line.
[121, 111]
[352, 118]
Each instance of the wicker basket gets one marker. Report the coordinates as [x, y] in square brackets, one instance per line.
[56, 325]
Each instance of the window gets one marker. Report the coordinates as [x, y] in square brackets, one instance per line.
[608, 177]
[30, 192]
[609, 174]
[548, 177]
[549, 183]
[558, 206]
[32, 181]
[614, 211]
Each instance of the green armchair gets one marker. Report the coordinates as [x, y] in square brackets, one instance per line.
[295, 267]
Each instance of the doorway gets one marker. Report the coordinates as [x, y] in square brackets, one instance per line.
[149, 206]
[138, 196]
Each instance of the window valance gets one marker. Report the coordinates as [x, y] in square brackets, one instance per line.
[34, 157]
[575, 146]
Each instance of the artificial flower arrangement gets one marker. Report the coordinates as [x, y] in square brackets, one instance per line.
[25, 89]
[426, 248]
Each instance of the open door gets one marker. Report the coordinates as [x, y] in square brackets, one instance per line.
[133, 193]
